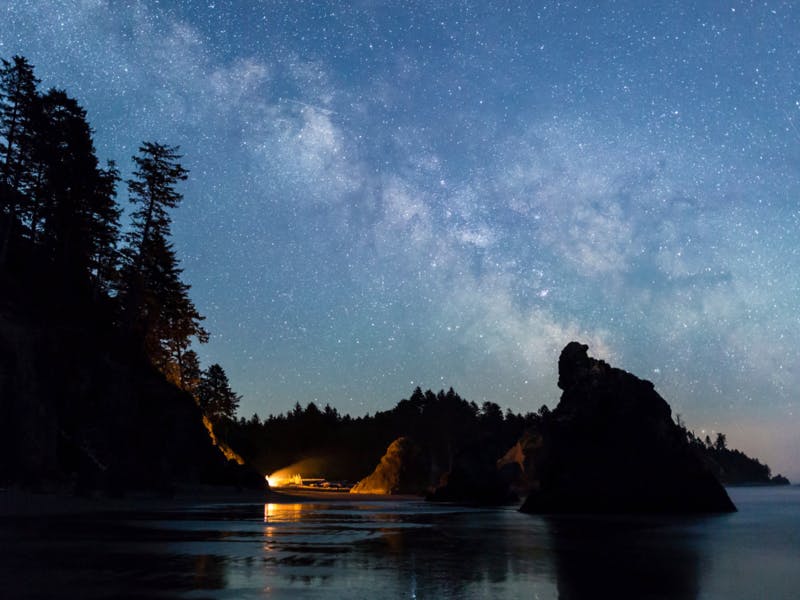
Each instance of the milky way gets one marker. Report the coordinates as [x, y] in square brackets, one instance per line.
[446, 194]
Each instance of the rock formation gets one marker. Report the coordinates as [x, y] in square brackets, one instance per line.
[610, 446]
[402, 470]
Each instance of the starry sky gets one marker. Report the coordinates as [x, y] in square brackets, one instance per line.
[391, 194]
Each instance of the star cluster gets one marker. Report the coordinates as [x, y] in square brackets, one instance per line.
[385, 195]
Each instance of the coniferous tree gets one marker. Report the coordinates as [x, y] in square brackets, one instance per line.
[104, 258]
[155, 301]
[50, 183]
[215, 396]
[75, 216]
[180, 322]
[152, 189]
[18, 106]
[53, 190]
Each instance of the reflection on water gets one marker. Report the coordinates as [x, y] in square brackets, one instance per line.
[275, 512]
[625, 558]
[344, 549]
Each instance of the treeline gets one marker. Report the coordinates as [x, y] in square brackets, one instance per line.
[61, 232]
[446, 426]
[344, 447]
[731, 466]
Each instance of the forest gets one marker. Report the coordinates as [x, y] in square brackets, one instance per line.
[348, 448]
[731, 466]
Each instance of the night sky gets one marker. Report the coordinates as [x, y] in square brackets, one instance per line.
[386, 195]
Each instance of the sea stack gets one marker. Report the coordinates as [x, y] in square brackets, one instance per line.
[611, 446]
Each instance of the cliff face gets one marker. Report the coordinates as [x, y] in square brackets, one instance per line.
[81, 411]
[611, 446]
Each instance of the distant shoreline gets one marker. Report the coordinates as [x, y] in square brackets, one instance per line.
[759, 484]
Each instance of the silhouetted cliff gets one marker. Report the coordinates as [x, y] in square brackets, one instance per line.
[82, 408]
[611, 446]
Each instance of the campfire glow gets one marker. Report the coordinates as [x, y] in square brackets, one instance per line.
[294, 474]
[283, 478]
[307, 474]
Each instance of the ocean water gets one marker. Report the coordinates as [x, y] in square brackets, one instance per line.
[406, 549]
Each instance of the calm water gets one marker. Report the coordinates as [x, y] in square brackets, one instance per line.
[405, 550]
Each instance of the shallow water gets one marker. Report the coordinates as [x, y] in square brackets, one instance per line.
[358, 549]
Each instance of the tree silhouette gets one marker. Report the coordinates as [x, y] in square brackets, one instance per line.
[75, 216]
[215, 396]
[155, 301]
[51, 186]
[18, 105]
[153, 190]
[103, 223]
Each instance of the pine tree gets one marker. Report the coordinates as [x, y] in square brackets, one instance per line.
[215, 396]
[50, 183]
[18, 106]
[155, 301]
[153, 190]
[104, 257]
[75, 216]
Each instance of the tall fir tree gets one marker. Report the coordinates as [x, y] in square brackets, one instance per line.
[104, 258]
[155, 301]
[51, 187]
[75, 217]
[152, 189]
[18, 108]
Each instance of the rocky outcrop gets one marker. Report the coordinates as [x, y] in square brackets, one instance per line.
[402, 470]
[610, 446]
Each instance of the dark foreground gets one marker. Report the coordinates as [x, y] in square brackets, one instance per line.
[344, 547]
